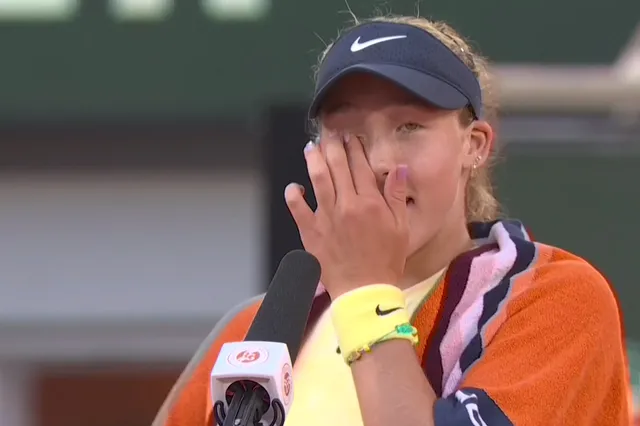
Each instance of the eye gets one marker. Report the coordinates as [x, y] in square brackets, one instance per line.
[409, 127]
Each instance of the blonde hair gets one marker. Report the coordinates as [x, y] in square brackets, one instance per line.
[480, 203]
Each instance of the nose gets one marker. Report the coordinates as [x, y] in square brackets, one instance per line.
[382, 158]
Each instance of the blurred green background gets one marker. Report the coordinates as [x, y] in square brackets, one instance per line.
[90, 63]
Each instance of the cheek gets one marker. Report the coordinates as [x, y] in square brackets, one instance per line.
[438, 187]
[436, 190]
[436, 182]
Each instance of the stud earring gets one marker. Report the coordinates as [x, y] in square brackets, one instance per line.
[476, 162]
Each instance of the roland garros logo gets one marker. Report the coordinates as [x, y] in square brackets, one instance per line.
[287, 383]
[248, 356]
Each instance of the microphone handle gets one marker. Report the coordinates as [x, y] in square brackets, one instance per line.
[246, 408]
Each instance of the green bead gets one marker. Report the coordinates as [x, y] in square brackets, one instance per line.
[405, 329]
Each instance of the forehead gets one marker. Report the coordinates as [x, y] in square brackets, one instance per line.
[365, 90]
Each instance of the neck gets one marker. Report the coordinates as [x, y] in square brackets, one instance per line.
[434, 256]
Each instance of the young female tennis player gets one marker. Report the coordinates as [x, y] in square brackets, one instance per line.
[442, 314]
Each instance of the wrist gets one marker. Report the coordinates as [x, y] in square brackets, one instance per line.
[370, 315]
[365, 295]
[354, 285]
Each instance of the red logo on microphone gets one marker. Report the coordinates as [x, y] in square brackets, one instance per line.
[287, 383]
[249, 356]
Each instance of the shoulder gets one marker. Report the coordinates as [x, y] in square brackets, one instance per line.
[539, 273]
[232, 326]
[235, 323]
[568, 286]
[559, 271]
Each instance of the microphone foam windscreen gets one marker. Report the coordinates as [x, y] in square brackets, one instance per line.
[283, 314]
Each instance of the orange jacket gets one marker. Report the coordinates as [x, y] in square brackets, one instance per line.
[549, 351]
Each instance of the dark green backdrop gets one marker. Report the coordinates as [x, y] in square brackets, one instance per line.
[191, 64]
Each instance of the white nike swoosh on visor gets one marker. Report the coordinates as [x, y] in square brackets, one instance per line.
[357, 46]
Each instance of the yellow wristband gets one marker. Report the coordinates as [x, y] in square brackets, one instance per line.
[366, 316]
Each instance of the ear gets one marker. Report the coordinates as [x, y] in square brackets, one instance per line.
[478, 144]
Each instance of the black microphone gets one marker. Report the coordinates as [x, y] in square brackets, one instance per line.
[251, 381]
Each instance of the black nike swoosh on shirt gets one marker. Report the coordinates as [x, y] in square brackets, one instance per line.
[383, 312]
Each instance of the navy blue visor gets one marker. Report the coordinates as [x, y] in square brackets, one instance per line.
[405, 55]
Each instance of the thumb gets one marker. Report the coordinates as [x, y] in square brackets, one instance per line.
[395, 192]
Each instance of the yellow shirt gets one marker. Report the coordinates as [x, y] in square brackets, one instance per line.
[324, 393]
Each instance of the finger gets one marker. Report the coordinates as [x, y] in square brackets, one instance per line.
[320, 176]
[300, 210]
[364, 180]
[395, 193]
[334, 151]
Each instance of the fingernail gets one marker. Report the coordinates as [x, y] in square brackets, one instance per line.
[402, 172]
[291, 186]
[309, 146]
[287, 189]
[346, 138]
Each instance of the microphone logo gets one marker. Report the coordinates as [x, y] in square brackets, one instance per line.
[247, 357]
[287, 383]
